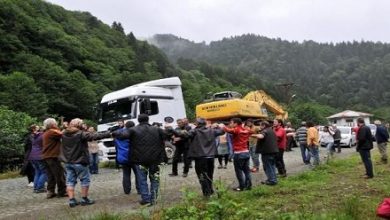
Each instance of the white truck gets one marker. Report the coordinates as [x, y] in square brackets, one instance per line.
[161, 99]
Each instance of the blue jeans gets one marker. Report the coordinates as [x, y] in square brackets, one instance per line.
[241, 167]
[269, 167]
[126, 179]
[315, 153]
[154, 176]
[366, 158]
[94, 163]
[40, 174]
[77, 171]
[329, 148]
[305, 153]
[254, 156]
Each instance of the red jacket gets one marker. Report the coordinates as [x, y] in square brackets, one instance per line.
[281, 137]
[240, 138]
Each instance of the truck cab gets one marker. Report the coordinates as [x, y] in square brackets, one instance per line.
[160, 99]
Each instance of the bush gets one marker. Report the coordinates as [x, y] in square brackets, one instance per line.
[13, 130]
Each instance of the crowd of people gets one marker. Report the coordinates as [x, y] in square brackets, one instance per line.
[141, 149]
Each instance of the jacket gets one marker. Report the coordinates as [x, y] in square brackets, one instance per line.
[36, 149]
[337, 134]
[240, 138]
[381, 135]
[268, 144]
[202, 141]
[281, 137]
[51, 143]
[364, 138]
[301, 135]
[312, 137]
[75, 145]
[147, 143]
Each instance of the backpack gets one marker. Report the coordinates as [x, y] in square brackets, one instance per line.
[122, 151]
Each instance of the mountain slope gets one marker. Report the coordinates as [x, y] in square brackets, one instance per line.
[343, 75]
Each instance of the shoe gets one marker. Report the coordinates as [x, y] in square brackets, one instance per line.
[86, 201]
[31, 184]
[62, 195]
[238, 189]
[172, 174]
[50, 195]
[368, 177]
[220, 167]
[143, 202]
[185, 175]
[268, 183]
[283, 175]
[225, 167]
[39, 190]
[73, 203]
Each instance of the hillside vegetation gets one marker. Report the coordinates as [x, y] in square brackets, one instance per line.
[345, 75]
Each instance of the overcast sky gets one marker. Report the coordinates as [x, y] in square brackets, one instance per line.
[210, 20]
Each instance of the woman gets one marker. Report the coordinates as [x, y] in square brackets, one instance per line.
[35, 157]
[224, 144]
[27, 169]
[93, 152]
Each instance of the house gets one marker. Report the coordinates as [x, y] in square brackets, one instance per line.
[349, 118]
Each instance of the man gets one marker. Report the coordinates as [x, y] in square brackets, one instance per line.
[268, 148]
[75, 155]
[313, 142]
[382, 137]
[336, 139]
[252, 146]
[123, 153]
[203, 150]
[364, 145]
[181, 151]
[240, 153]
[282, 142]
[290, 137]
[301, 137]
[148, 152]
[51, 144]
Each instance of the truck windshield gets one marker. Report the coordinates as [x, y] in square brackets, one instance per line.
[116, 109]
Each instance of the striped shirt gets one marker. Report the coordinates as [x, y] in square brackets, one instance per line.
[301, 135]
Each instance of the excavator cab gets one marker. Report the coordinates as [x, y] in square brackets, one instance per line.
[225, 95]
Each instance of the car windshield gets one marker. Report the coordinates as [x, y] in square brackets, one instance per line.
[345, 130]
[114, 110]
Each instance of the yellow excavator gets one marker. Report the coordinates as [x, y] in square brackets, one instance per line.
[225, 105]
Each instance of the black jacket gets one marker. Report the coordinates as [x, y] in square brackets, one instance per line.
[147, 143]
[202, 141]
[267, 145]
[75, 145]
[364, 138]
[381, 136]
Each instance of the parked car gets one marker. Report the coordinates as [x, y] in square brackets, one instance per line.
[348, 136]
[373, 130]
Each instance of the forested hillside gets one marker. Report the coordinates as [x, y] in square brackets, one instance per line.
[344, 75]
[54, 61]
[61, 62]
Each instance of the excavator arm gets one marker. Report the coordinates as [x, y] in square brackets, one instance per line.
[263, 99]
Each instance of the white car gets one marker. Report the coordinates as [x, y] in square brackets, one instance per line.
[348, 136]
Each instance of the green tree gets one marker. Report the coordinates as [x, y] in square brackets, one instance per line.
[19, 92]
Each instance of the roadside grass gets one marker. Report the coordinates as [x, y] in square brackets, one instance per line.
[10, 174]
